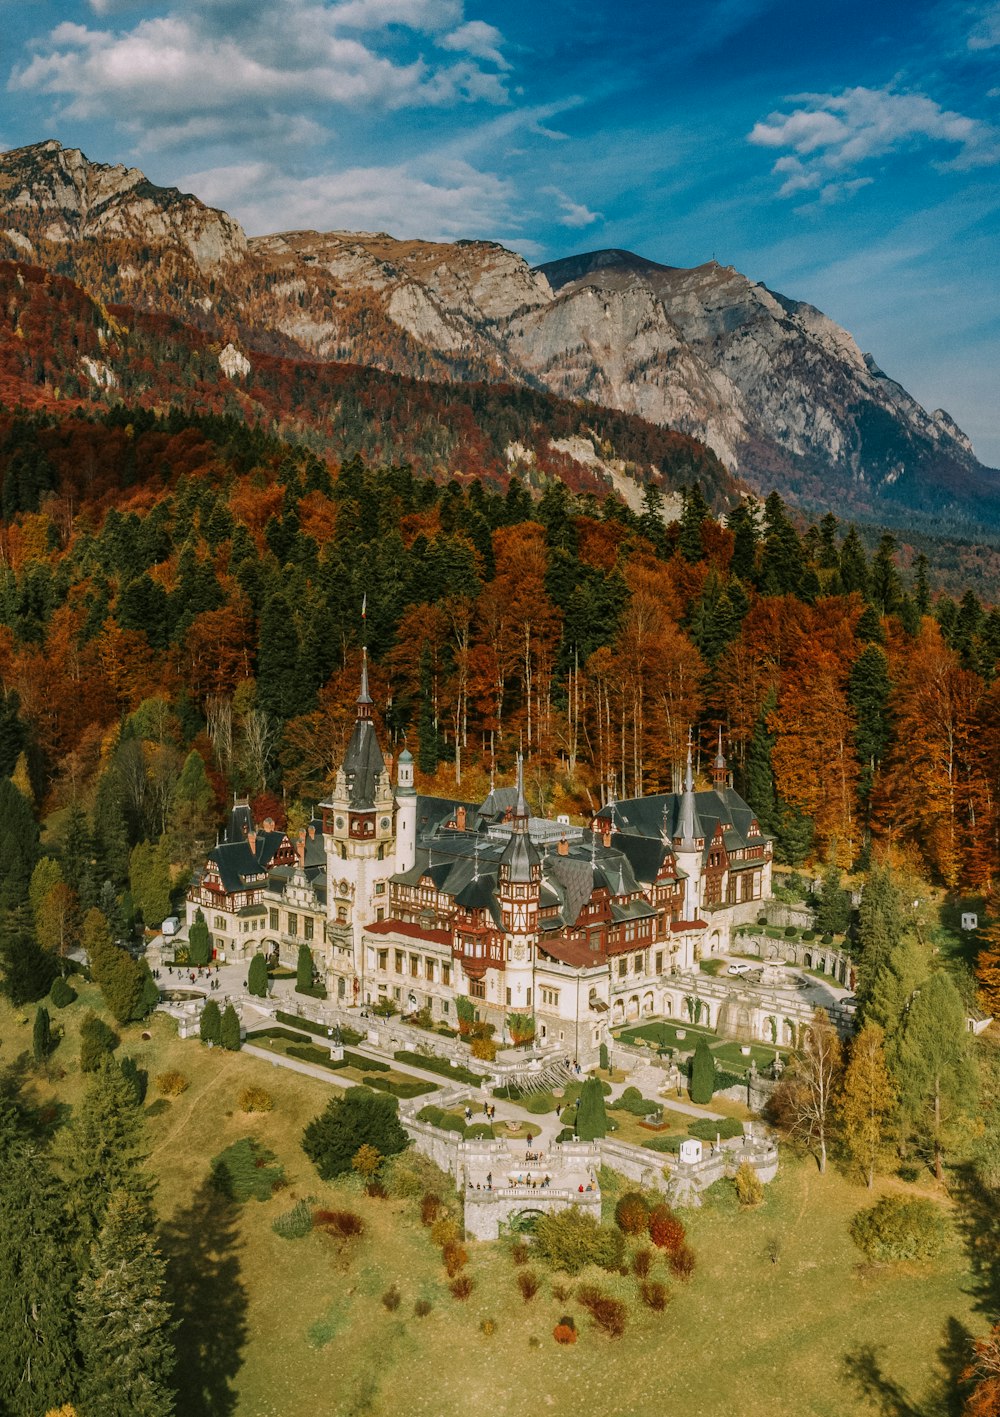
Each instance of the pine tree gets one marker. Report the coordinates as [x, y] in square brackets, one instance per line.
[360, 1118]
[760, 789]
[921, 589]
[18, 846]
[429, 753]
[695, 510]
[868, 689]
[304, 968]
[702, 1073]
[79, 857]
[885, 588]
[935, 1072]
[192, 809]
[229, 1030]
[199, 940]
[880, 925]
[833, 915]
[41, 1035]
[892, 985]
[26, 970]
[591, 1114]
[210, 1024]
[853, 564]
[107, 1154]
[867, 1101]
[37, 1278]
[257, 976]
[149, 875]
[988, 970]
[125, 1319]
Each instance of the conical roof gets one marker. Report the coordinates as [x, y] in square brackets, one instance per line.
[363, 762]
[520, 854]
[689, 828]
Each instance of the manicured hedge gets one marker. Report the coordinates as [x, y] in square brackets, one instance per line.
[667, 1144]
[412, 1087]
[724, 1079]
[312, 991]
[347, 1035]
[288, 1034]
[633, 1101]
[436, 1065]
[707, 1128]
[431, 1114]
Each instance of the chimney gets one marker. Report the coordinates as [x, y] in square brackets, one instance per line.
[252, 841]
[563, 847]
[312, 832]
[460, 819]
[300, 849]
[606, 838]
[268, 824]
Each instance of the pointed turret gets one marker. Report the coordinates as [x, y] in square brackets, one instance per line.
[520, 860]
[363, 763]
[690, 833]
[720, 776]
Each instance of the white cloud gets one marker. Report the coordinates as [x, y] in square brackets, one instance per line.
[573, 214]
[476, 38]
[831, 134]
[449, 199]
[231, 57]
[986, 33]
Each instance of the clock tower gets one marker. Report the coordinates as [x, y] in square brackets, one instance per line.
[519, 881]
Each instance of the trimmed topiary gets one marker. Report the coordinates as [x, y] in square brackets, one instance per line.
[702, 1073]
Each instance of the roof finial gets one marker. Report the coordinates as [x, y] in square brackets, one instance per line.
[689, 779]
[521, 805]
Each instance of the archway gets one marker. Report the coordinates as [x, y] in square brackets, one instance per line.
[618, 1012]
[632, 1008]
[647, 1003]
[341, 987]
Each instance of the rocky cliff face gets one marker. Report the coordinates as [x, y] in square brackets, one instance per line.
[782, 394]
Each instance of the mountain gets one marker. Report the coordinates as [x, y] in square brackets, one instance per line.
[779, 392]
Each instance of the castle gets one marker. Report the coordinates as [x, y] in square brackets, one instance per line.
[419, 900]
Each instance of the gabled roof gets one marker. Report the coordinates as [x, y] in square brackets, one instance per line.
[237, 863]
[363, 764]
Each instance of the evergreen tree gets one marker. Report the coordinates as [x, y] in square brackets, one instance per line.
[136, 1077]
[892, 985]
[921, 589]
[111, 829]
[760, 789]
[210, 1024]
[192, 809]
[742, 522]
[149, 874]
[694, 511]
[47, 873]
[868, 689]
[257, 977]
[199, 940]
[18, 846]
[97, 1042]
[304, 968]
[12, 733]
[79, 857]
[125, 1319]
[782, 560]
[229, 1030]
[827, 552]
[41, 1035]
[833, 915]
[935, 1071]
[107, 1152]
[591, 1114]
[885, 588]
[38, 1367]
[853, 564]
[880, 926]
[27, 969]
[702, 1073]
[360, 1118]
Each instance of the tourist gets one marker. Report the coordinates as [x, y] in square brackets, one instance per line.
[468, 1114]
[489, 1179]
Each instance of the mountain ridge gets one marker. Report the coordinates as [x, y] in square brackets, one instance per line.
[778, 391]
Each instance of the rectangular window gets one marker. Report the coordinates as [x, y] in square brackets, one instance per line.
[380, 887]
[383, 959]
[528, 997]
[308, 925]
[444, 1006]
[637, 964]
[395, 991]
[399, 961]
[622, 967]
[220, 922]
[446, 974]
[429, 970]
[414, 966]
[659, 961]
[293, 924]
[508, 998]
[477, 988]
[272, 919]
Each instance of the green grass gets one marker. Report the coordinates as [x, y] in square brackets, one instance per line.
[664, 1033]
[300, 1327]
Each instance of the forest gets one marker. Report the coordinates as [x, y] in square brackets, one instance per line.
[181, 618]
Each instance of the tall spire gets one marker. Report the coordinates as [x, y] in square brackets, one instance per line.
[365, 703]
[719, 766]
[690, 830]
[521, 804]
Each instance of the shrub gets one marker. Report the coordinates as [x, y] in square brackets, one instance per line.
[484, 1048]
[682, 1262]
[313, 991]
[430, 1207]
[171, 1084]
[567, 1134]
[199, 941]
[898, 1228]
[488, 1327]
[433, 1064]
[632, 1213]
[702, 1073]
[422, 1308]
[97, 1041]
[603, 1056]
[255, 1099]
[540, 1103]
[519, 1252]
[455, 1258]
[669, 1145]
[565, 1331]
[244, 1171]
[665, 1229]
[708, 1128]
[210, 1023]
[462, 1287]
[444, 1231]
[348, 1036]
[257, 977]
[430, 1114]
[642, 1262]
[295, 1222]
[633, 1101]
[570, 1240]
[808, 936]
[749, 1187]
[450, 1123]
[343, 1224]
[654, 1294]
[479, 1131]
[609, 1314]
[528, 1283]
[360, 1117]
[392, 1299]
[790, 932]
[62, 993]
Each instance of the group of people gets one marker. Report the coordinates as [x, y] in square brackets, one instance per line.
[534, 1183]
[534, 1156]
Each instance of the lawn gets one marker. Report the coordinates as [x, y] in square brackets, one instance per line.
[274, 1327]
[725, 1051]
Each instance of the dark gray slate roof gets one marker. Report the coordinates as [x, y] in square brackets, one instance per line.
[363, 762]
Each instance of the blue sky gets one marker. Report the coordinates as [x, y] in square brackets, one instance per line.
[844, 153]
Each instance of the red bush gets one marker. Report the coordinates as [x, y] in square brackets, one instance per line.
[461, 1287]
[642, 1262]
[654, 1294]
[632, 1213]
[527, 1282]
[665, 1230]
[455, 1258]
[682, 1262]
[564, 1333]
[342, 1223]
[430, 1207]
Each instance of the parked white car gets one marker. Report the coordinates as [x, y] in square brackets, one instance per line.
[739, 969]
